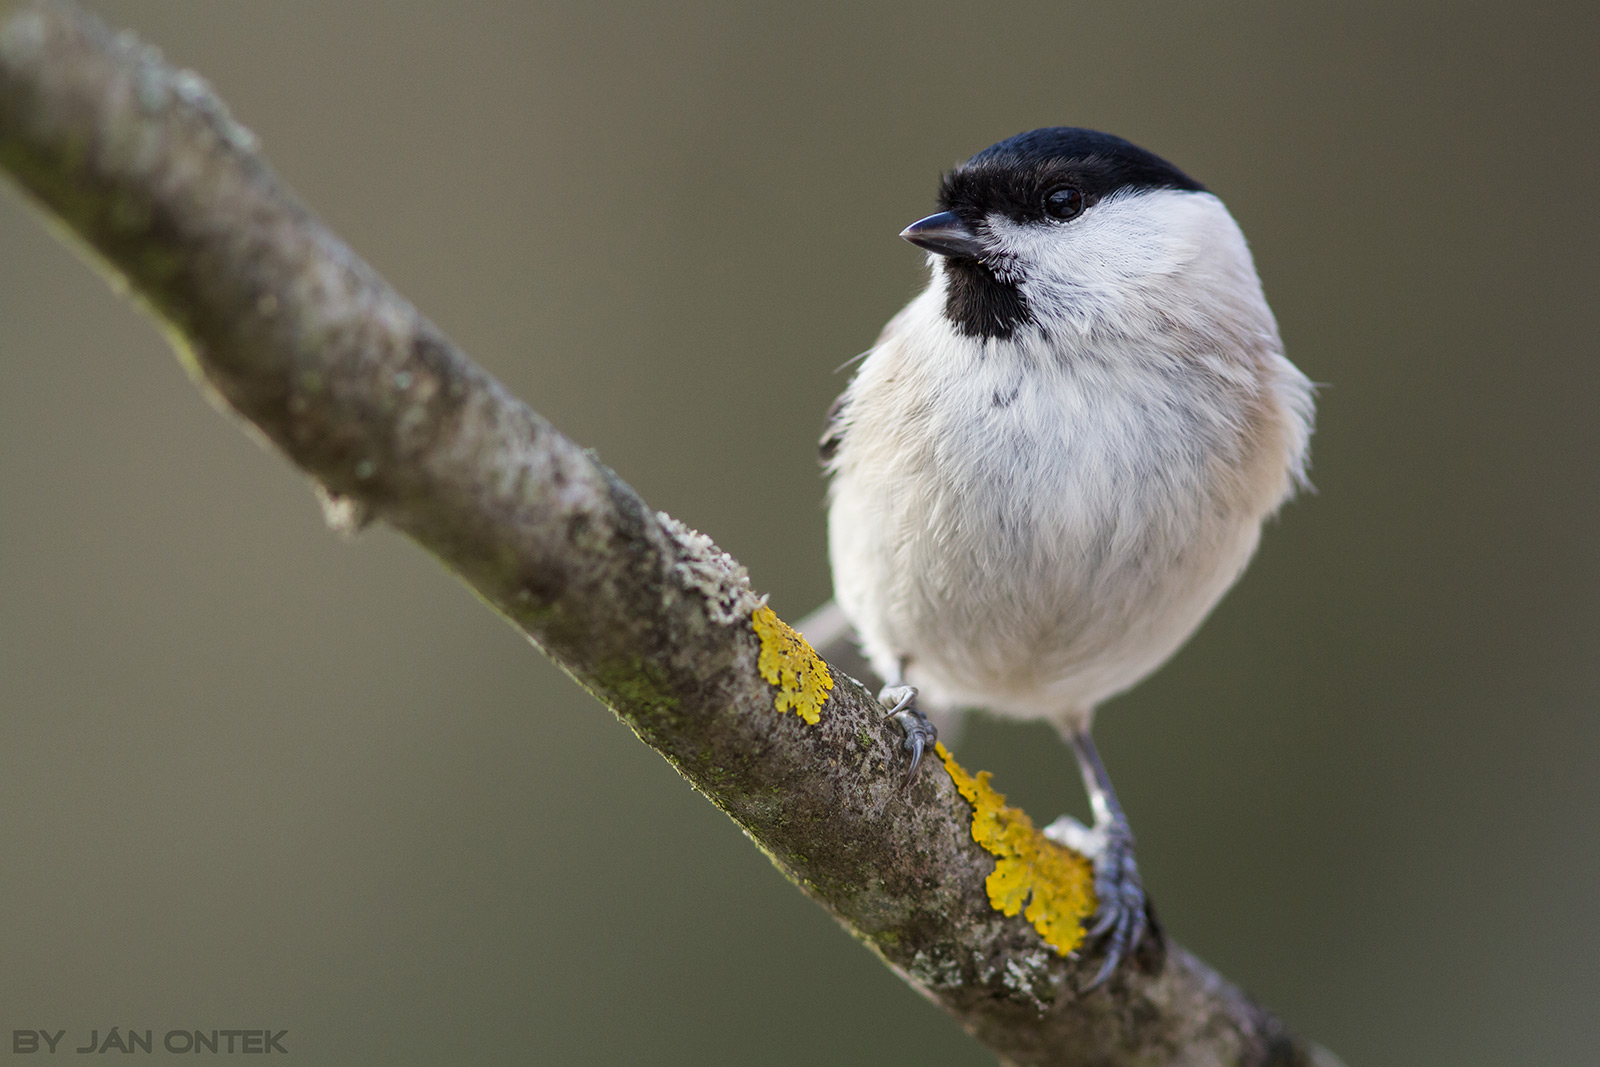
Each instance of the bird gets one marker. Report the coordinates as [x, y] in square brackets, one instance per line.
[1059, 456]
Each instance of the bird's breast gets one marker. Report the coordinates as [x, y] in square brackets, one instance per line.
[1007, 516]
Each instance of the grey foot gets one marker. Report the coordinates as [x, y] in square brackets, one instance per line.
[1120, 918]
[920, 733]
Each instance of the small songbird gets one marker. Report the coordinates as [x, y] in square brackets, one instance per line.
[1058, 457]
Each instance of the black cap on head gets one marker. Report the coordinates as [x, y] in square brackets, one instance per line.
[1012, 177]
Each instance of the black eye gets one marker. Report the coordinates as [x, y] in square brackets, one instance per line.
[1063, 203]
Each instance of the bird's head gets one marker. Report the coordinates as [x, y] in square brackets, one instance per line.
[1069, 229]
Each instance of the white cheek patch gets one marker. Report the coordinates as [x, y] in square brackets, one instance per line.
[1121, 236]
[1096, 266]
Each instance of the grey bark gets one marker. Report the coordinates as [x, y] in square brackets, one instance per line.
[278, 321]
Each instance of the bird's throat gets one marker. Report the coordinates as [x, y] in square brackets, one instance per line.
[980, 304]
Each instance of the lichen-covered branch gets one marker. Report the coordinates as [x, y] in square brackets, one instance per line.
[282, 323]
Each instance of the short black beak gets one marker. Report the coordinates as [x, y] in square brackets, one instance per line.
[945, 234]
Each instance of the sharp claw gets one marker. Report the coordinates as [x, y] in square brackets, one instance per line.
[914, 743]
[1120, 921]
[1118, 945]
[920, 733]
[905, 702]
[1119, 941]
[1105, 972]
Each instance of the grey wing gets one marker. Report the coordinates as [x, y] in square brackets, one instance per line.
[832, 431]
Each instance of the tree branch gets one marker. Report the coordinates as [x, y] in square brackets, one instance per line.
[280, 322]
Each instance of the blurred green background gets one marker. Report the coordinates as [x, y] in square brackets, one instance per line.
[251, 775]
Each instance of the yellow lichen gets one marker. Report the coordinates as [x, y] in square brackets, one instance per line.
[788, 662]
[1028, 865]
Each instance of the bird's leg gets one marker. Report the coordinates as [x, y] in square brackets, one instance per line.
[901, 700]
[1120, 920]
